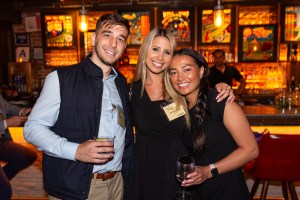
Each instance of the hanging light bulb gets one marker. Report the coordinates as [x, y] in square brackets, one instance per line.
[218, 14]
[83, 26]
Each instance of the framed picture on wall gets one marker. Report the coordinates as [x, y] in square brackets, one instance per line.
[140, 25]
[23, 54]
[59, 30]
[212, 34]
[258, 43]
[21, 39]
[37, 53]
[291, 24]
[179, 22]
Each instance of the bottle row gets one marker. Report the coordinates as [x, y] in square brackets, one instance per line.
[291, 98]
[263, 78]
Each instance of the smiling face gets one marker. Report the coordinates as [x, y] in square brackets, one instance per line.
[109, 45]
[158, 55]
[185, 76]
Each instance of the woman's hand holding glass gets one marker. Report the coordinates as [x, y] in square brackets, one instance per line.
[184, 166]
[198, 176]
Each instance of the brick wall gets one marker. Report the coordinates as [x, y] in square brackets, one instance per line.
[39, 71]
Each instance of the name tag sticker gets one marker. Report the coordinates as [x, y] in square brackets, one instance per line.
[171, 111]
[121, 117]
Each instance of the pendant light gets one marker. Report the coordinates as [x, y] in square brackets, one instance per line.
[219, 14]
[83, 23]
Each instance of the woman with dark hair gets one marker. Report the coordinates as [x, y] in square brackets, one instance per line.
[220, 138]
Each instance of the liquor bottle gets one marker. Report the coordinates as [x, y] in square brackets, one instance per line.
[293, 85]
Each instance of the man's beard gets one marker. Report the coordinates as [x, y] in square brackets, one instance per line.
[106, 62]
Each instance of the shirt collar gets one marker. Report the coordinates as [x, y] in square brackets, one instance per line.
[96, 71]
[113, 73]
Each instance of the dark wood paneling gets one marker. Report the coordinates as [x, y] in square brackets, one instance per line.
[26, 4]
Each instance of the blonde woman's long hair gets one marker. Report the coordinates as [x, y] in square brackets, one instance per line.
[176, 97]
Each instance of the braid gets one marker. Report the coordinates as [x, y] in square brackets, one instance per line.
[199, 138]
[200, 108]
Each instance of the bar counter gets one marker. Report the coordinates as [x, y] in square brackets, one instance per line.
[261, 115]
[276, 119]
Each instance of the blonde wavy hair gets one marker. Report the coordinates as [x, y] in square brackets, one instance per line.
[176, 97]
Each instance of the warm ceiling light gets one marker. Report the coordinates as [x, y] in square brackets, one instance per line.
[218, 14]
[83, 26]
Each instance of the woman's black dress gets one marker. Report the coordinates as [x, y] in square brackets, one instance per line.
[227, 186]
[158, 143]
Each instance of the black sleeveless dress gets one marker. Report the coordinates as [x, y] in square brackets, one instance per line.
[158, 143]
[227, 186]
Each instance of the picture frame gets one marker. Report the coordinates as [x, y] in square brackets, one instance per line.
[59, 30]
[21, 39]
[212, 34]
[257, 43]
[32, 23]
[37, 53]
[179, 22]
[290, 30]
[23, 54]
[141, 24]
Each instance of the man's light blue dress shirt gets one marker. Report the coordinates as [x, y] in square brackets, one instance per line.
[45, 112]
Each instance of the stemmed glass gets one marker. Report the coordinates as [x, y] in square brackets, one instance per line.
[185, 165]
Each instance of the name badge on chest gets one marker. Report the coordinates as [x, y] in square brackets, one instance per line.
[171, 111]
[121, 117]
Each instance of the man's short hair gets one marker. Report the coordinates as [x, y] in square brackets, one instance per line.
[219, 51]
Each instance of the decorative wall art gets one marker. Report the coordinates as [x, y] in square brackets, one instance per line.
[258, 43]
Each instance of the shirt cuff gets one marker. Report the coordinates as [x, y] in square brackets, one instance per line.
[69, 150]
[5, 124]
[21, 112]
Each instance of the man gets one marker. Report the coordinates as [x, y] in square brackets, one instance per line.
[77, 104]
[16, 156]
[222, 72]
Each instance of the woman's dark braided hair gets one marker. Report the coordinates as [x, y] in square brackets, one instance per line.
[200, 108]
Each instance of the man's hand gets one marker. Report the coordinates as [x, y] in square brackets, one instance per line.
[15, 121]
[97, 152]
[224, 90]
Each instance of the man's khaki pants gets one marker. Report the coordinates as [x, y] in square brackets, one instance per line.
[111, 189]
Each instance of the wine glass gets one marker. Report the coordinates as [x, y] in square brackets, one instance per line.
[185, 165]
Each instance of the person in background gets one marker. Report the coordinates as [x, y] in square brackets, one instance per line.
[158, 132]
[76, 105]
[220, 138]
[16, 156]
[221, 72]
